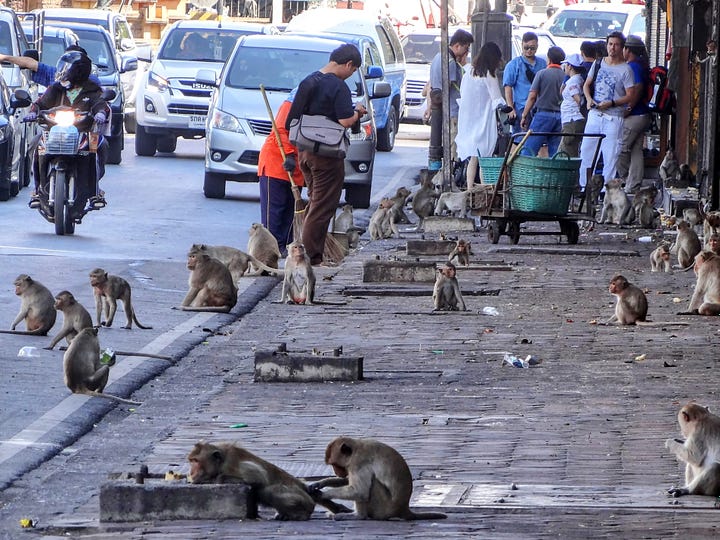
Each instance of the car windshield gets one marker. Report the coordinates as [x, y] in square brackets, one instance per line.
[420, 48]
[52, 49]
[98, 48]
[587, 24]
[279, 69]
[102, 21]
[5, 39]
[199, 45]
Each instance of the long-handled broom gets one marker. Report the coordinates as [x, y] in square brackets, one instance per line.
[333, 250]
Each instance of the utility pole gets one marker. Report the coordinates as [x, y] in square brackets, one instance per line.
[445, 61]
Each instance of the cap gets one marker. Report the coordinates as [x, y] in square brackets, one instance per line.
[634, 42]
[575, 60]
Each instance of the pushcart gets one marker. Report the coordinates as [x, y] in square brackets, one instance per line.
[519, 189]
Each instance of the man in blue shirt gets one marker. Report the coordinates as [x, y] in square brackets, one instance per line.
[43, 74]
[518, 77]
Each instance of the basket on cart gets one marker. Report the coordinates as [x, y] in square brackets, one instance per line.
[543, 185]
[491, 167]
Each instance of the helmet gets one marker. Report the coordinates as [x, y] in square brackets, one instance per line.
[73, 67]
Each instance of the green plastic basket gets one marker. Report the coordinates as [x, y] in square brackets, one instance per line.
[491, 167]
[543, 185]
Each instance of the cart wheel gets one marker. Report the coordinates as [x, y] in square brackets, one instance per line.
[502, 226]
[514, 231]
[493, 231]
[572, 231]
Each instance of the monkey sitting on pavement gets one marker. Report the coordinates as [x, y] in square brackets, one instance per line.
[700, 450]
[84, 372]
[37, 307]
[222, 463]
[711, 225]
[75, 318]
[382, 222]
[399, 201]
[631, 306]
[211, 286]
[108, 289]
[237, 261]
[669, 168]
[660, 258]
[644, 206]
[687, 245]
[299, 283]
[263, 246]
[460, 255]
[372, 474]
[423, 202]
[456, 203]
[706, 296]
[446, 293]
[616, 205]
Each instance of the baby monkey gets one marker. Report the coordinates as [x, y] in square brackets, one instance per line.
[446, 294]
[299, 283]
[460, 255]
[660, 259]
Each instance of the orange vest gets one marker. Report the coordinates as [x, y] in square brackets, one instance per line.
[270, 160]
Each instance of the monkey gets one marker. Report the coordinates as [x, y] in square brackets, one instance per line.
[353, 236]
[456, 203]
[212, 287]
[222, 463]
[446, 293]
[37, 307]
[299, 283]
[711, 225]
[423, 202]
[382, 222]
[644, 206]
[75, 318]
[237, 261]
[399, 201]
[687, 245]
[372, 474]
[343, 220]
[592, 193]
[700, 451]
[669, 168]
[108, 289]
[685, 177]
[706, 296]
[660, 258]
[694, 216]
[616, 205]
[263, 246]
[632, 305]
[460, 255]
[713, 243]
[84, 373]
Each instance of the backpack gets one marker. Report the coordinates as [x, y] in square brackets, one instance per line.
[660, 98]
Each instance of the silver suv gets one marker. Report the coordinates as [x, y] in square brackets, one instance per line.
[170, 102]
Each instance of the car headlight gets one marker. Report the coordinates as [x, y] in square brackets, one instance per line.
[226, 122]
[156, 83]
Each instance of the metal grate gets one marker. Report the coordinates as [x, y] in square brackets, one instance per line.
[261, 127]
[249, 157]
[64, 143]
[187, 108]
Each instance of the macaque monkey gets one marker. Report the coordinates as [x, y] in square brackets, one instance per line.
[660, 259]
[237, 261]
[343, 220]
[644, 206]
[616, 205]
[456, 203]
[713, 243]
[84, 373]
[382, 222]
[693, 216]
[399, 201]
[299, 283]
[108, 289]
[669, 168]
[372, 474]
[711, 225]
[632, 305]
[37, 307]
[446, 293]
[223, 463]
[75, 318]
[423, 202]
[212, 287]
[263, 246]
[460, 255]
[687, 244]
[700, 450]
[685, 176]
[592, 193]
[706, 297]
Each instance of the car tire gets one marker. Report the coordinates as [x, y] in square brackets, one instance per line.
[386, 135]
[214, 185]
[358, 195]
[145, 144]
[167, 144]
[114, 154]
[130, 123]
[5, 184]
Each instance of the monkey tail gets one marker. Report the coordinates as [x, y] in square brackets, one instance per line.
[38, 332]
[110, 396]
[210, 309]
[424, 515]
[137, 323]
[262, 266]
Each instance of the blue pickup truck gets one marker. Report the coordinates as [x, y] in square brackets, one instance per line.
[379, 45]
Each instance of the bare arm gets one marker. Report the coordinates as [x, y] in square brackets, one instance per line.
[509, 100]
[21, 61]
[529, 104]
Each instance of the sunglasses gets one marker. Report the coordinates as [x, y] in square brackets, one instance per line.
[530, 47]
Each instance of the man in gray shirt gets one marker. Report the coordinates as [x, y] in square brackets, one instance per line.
[545, 96]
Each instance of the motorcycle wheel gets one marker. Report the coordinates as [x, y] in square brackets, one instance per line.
[60, 208]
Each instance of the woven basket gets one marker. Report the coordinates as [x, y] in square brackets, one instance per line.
[491, 167]
[543, 185]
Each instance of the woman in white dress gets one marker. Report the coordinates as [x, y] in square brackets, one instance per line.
[480, 96]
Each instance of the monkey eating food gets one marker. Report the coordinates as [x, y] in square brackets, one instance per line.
[700, 451]
[446, 293]
[460, 255]
[108, 289]
[75, 318]
[37, 307]
[228, 463]
[372, 474]
[299, 283]
[212, 287]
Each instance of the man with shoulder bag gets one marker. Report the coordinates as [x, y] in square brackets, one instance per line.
[323, 94]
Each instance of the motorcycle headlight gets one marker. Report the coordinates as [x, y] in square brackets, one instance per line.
[157, 83]
[226, 122]
[64, 118]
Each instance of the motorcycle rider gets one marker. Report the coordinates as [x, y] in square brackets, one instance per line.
[73, 88]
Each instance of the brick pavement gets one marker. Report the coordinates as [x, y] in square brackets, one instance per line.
[580, 435]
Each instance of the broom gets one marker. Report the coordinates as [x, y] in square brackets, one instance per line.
[333, 250]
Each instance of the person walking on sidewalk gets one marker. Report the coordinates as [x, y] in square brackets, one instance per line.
[571, 113]
[631, 160]
[608, 89]
[325, 93]
[277, 203]
[518, 77]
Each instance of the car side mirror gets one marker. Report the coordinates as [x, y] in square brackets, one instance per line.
[144, 53]
[128, 63]
[127, 44]
[20, 102]
[380, 89]
[374, 72]
[206, 76]
[32, 53]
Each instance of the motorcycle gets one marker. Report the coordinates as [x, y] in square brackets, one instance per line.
[67, 140]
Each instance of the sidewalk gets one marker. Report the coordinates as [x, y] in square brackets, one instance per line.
[581, 435]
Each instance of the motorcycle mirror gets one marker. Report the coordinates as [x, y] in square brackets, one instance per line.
[108, 94]
[32, 53]
[22, 95]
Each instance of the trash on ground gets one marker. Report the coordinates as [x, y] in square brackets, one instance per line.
[29, 352]
[489, 310]
[640, 357]
[518, 362]
[677, 300]
[239, 425]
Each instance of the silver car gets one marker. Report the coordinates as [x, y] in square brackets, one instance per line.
[238, 120]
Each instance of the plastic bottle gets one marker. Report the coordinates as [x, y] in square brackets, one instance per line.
[489, 310]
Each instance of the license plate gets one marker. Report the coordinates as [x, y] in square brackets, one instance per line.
[197, 121]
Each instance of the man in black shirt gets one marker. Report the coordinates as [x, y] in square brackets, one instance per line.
[324, 92]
